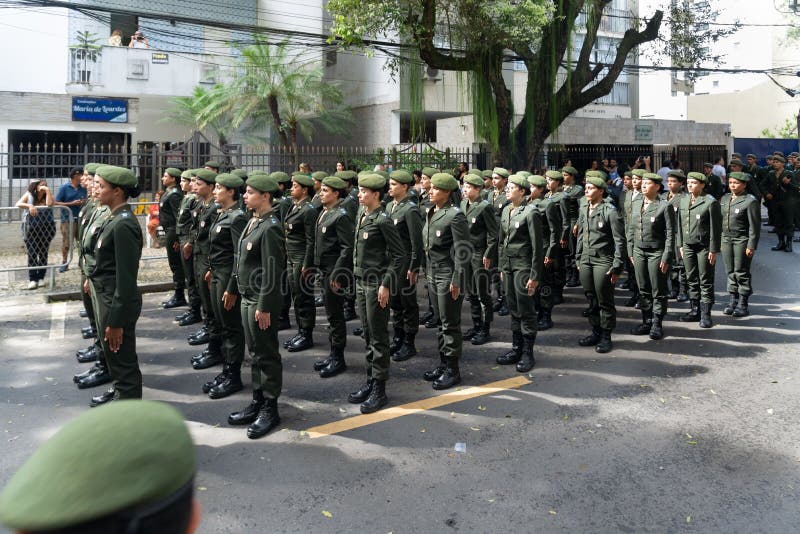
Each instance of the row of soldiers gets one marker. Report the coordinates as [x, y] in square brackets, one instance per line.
[372, 234]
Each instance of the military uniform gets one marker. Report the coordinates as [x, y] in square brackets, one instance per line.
[551, 283]
[785, 189]
[677, 273]
[206, 214]
[299, 230]
[168, 210]
[483, 233]
[627, 200]
[741, 227]
[571, 194]
[498, 201]
[184, 227]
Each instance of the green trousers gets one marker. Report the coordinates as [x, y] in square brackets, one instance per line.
[91, 314]
[652, 282]
[405, 308]
[302, 292]
[267, 369]
[548, 285]
[174, 259]
[230, 321]
[191, 286]
[123, 365]
[211, 322]
[522, 307]
[737, 265]
[784, 216]
[596, 282]
[450, 340]
[334, 309]
[699, 273]
[478, 294]
[376, 329]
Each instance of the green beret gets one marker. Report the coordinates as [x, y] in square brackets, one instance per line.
[779, 158]
[319, 175]
[570, 170]
[639, 172]
[518, 179]
[736, 155]
[487, 173]
[402, 177]
[212, 163]
[263, 183]
[677, 173]
[699, 176]
[241, 173]
[596, 181]
[119, 176]
[444, 181]
[778, 153]
[500, 171]
[475, 180]
[595, 174]
[751, 156]
[653, 177]
[205, 175]
[304, 180]
[382, 173]
[554, 175]
[526, 174]
[708, 164]
[281, 177]
[429, 171]
[91, 168]
[537, 180]
[372, 181]
[476, 172]
[187, 174]
[172, 171]
[335, 182]
[346, 176]
[147, 455]
[231, 181]
[737, 162]
[629, 174]
[257, 172]
[741, 176]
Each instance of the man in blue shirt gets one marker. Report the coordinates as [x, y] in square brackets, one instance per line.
[72, 195]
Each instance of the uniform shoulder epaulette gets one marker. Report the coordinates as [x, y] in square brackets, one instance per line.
[343, 211]
[456, 208]
[383, 214]
[412, 203]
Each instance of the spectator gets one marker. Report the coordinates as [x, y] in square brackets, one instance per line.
[153, 221]
[663, 171]
[38, 229]
[305, 168]
[138, 41]
[71, 195]
[115, 39]
[613, 174]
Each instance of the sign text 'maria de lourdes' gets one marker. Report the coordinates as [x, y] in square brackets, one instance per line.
[99, 110]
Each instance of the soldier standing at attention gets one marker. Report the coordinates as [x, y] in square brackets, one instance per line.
[714, 187]
[378, 267]
[168, 209]
[282, 203]
[483, 235]
[549, 206]
[183, 228]
[521, 254]
[631, 197]
[406, 217]
[333, 256]
[700, 226]
[784, 188]
[429, 319]
[741, 227]
[677, 276]
[650, 236]
[497, 198]
[571, 194]
[259, 268]
[600, 251]
[445, 238]
[112, 280]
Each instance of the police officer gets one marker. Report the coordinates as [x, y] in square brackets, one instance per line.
[405, 215]
[483, 233]
[333, 257]
[549, 206]
[650, 236]
[572, 192]
[741, 227]
[700, 226]
[521, 256]
[183, 229]
[600, 249]
[378, 267]
[112, 281]
[677, 277]
[259, 268]
[168, 209]
[445, 238]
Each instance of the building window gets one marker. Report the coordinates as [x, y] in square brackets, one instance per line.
[405, 131]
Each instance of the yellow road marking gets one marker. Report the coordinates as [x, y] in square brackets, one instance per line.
[415, 407]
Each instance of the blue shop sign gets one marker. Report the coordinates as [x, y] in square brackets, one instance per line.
[99, 110]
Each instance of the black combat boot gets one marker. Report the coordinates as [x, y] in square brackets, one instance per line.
[250, 412]
[511, 357]
[231, 384]
[201, 338]
[305, 341]
[498, 303]
[437, 371]
[781, 243]
[83, 313]
[683, 292]
[425, 317]
[397, 340]
[633, 300]
[592, 304]
[209, 358]
[673, 290]
[319, 365]
[476, 326]
[360, 395]
[450, 377]
[177, 300]
[545, 321]
[88, 332]
[407, 349]
[377, 398]
[291, 339]
[788, 247]
[528, 361]
[605, 342]
[503, 311]
[91, 370]
[732, 303]
[705, 315]
[266, 420]
[87, 355]
[104, 398]
[591, 339]
[335, 365]
[483, 335]
[693, 314]
[99, 377]
[657, 330]
[741, 309]
[647, 323]
[217, 380]
[193, 317]
[350, 310]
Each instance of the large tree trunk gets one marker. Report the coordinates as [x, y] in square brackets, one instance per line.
[272, 102]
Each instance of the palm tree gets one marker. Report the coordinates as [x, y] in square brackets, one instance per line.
[204, 109]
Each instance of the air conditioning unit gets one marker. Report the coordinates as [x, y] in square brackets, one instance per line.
[209, 74]
[432, 74]
[138, 69]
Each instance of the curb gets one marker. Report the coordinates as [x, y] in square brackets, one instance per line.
[155, 287]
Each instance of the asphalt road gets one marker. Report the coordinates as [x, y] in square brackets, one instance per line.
[697, 432]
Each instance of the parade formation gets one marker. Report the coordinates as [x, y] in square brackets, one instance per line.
[245, 246]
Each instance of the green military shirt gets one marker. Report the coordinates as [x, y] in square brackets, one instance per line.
[92, 223]
[350, 203]
[483, 228]
[498, 200]
[627, 204]
[186, 218]
[571, 195]
[261, 262]
[223, 242]
[116, 263]
[700, 223]
[299, 229]
[652, 226]
[316, 202]
[521, 244]
[741, 219]
[84, 215]
[424, 204]
[169, 206]
[378, 253]
[333, 240]
[406, 217]
[785, 185]
[207, 213]
[601, 235]
[445, 238]
[552, 227]
[714, 186]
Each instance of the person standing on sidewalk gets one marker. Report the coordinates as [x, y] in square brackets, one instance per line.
[71, 195]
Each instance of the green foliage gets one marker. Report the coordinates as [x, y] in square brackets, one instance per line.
[86, 46]
[204, 109]
[788, 130]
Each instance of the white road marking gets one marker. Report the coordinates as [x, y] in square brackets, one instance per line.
[58, 314]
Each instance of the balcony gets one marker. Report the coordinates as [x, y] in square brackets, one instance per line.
[613, 20]
[132, 72]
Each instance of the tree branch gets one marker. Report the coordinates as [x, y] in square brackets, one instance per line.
[428, 51]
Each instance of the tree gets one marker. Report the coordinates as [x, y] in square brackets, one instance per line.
[556, 40]
[204, 109]
[787, 130]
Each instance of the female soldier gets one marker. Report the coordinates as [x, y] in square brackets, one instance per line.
[572, 192]
[521, 255]
[259, 268]
[112, 280]
[741, 216]
[223, 239]
[549, 206]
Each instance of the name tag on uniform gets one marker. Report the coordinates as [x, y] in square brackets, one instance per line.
[438, 233]
[600, 224]
[698, 216]
[396, 221]
[736, 210]
[499, 205]
[516, 224]
[219, 229]
[652, 219]
[324, 229]
[365, 235]
[675, 208]
[474, 220]
[202, 224]
[249, 245]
